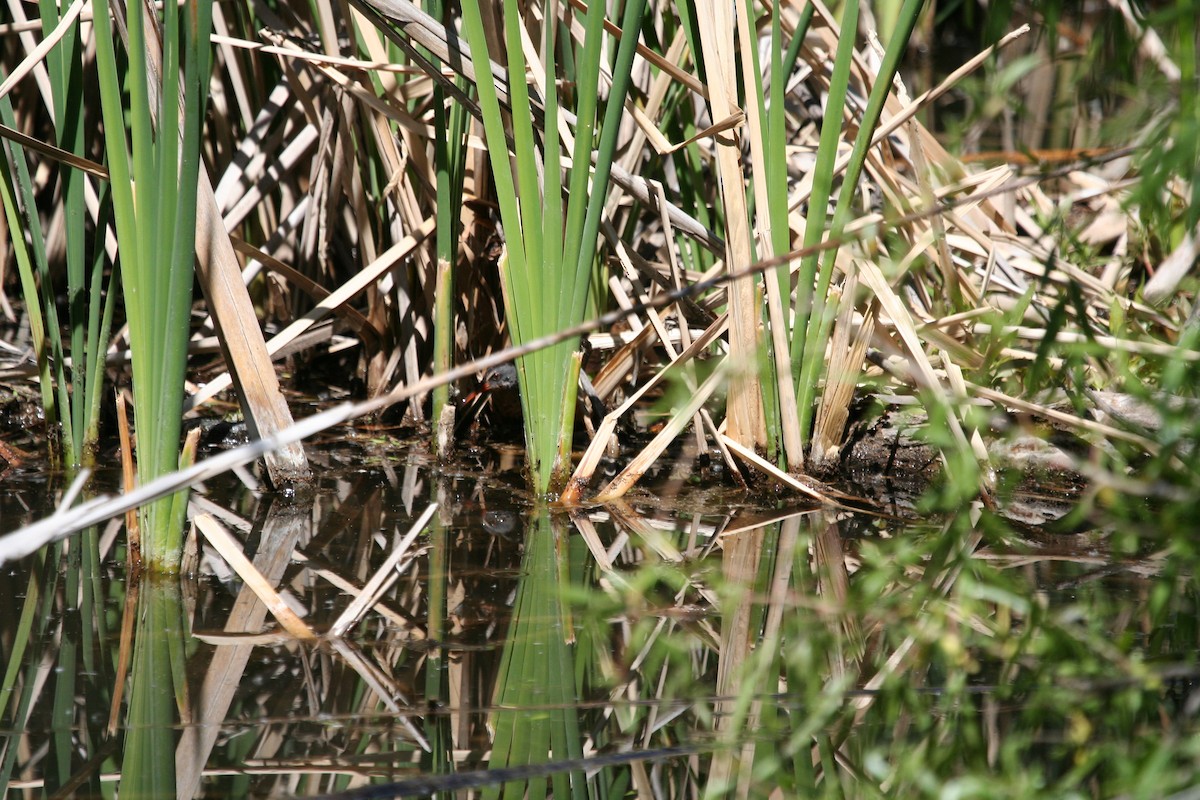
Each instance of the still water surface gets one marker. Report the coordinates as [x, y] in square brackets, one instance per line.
[680, 644]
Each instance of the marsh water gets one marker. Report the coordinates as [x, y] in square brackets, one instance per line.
[682, 643]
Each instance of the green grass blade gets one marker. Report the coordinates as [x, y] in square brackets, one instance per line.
[622, 79]
[493, 125]
[818, 333]
[450, 126]
[156, 232]
[27, 270]
[120, 178]
[552, 200]
[101, 304]
[528, 186]
[64, 66]
[587, 92]
[803, 360]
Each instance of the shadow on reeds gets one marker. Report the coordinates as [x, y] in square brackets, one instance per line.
[706, 651]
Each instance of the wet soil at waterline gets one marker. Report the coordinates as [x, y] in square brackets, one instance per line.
[886, 458]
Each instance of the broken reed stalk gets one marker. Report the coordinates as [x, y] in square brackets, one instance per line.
[744, 406]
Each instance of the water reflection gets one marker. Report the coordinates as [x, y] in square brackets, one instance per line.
[159, 699]
[707, 651]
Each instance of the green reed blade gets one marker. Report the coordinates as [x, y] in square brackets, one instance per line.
[552, 199]
[450, 127]
[803, 361]
[493, 124]
[622, 78]
[818, 333]
[548, 265]
[37, 285]
[101, 305]
[525, 151]
[156, 231]
[587, 94]
[65, 70]
[524, 272]
[29, 265]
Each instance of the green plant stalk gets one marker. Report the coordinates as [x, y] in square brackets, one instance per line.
[769, 369]
[529, 189]
[546, 267]
[450, 126]
[443, 323]
[772, 146]
[77, 387]
[66, 78]
[36, 286]
[793, 51]
[493, 124]
[555, 429]
[156, 234]
[818, 334]
[701, 206]
[804, 360]
[17, 220]
[541, 276]
[100, 318]
[570, 387]
[622, 79]
[580, 243]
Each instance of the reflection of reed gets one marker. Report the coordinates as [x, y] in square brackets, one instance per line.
[284, 525]
[321, 679]
[814, 671]
[935, 582]
[770, 581]
[351, 680]
[739, 634]
[148, 766]
[833, 586]
[537, 668]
